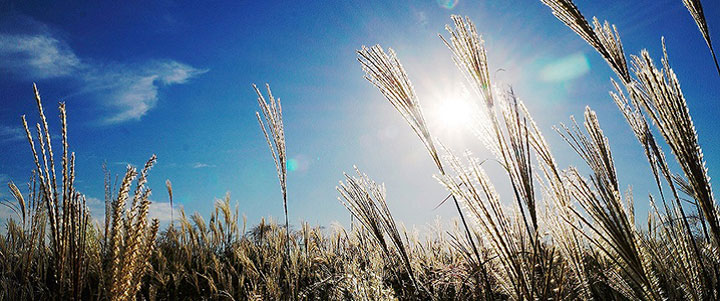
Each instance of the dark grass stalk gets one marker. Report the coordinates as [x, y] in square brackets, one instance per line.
[696, 11]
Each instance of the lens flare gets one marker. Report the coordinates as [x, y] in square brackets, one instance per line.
[292, 165]
[567, 68]
[448, 4]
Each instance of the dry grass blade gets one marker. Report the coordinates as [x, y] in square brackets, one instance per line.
[168, 185]
[506, 236]
[511, 146]
[470, 56]
[604, 38]
[19, 199]
[385, 72]
[696, 11]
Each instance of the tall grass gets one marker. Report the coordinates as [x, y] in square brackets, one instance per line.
[560, 233]
[275, 138]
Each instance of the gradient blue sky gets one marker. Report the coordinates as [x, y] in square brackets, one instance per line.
[175, 78]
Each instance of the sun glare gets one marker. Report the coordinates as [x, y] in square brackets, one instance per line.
[455, 113]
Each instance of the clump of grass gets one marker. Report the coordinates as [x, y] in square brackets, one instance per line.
[614, 223]
[366, 201]
[656, 93]
[130, 236]
[65, 207]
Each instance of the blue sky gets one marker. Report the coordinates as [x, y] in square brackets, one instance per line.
[174, 79]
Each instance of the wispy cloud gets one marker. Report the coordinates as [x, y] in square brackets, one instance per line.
[123, 163]
[9, 133]
[421, 18]
[38, 56]
[133, 90]
[202, 165]
[5, 214]
[97, 209]
[126, 91]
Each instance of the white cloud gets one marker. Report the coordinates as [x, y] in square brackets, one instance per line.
[123, 163]
[126, 91]
[202, 165]
[159, 210]
[9, 133]
[38, 56]
[421, 18]
[97, 210]
[135, 92]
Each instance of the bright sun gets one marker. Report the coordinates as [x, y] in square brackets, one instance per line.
[455, 113]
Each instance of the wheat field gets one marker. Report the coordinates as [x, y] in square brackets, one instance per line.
[565, 234]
